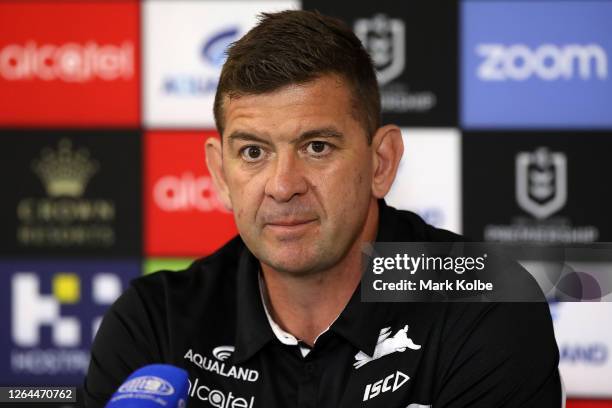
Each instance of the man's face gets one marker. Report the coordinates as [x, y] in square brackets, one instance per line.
[298, 170]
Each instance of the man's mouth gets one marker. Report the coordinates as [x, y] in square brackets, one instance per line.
[288, 228]
[290, 222]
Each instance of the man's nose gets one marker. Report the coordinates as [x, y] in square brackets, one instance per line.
[287, 178]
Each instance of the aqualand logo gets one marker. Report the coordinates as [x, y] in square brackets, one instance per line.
[221, 353]
[67, 62]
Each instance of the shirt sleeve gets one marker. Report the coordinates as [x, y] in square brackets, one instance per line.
[125, 341]
[499, 355]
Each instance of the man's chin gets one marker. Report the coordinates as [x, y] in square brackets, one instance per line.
[294, 263]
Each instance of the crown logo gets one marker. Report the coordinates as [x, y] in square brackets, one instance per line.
[65, 172]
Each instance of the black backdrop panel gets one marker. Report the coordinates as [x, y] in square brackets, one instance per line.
[71, 192]
[414, 47]
[537, 186]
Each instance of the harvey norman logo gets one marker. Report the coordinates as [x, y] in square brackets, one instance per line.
[218, 365]
[68, 62]
[548, 62]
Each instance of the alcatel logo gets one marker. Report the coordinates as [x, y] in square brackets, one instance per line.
[548, 62]
[186, 192]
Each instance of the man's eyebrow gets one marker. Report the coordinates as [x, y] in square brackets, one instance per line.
[247, 137]
[325, 133]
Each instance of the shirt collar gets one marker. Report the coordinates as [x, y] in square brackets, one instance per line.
[252, 328]
[359, 323]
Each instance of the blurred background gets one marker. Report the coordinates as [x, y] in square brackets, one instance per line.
[505, 108]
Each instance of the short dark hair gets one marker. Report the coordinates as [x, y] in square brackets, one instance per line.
[296, 47]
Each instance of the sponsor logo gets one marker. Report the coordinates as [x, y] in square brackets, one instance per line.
[591, 354]
[547, 62]
[534, 75]
[219, 367]
[186, 193]
[385, 40]
[32, 310]
[61, 74]
[218, 398]
[69, 62]
[65, 217]
[213, 50]
[541, 182]
[148, 384]
[213, 55]
[184, 214]
[54, 310]
[436, 197]
[390, 383]
[386, 345]
[541, 189]
[223, 352]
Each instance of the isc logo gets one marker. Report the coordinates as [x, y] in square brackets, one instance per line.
[549, 62]
[390, 383]
[32, 310]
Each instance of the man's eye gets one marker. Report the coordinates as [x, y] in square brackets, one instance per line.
[318, 148]
[252, 153]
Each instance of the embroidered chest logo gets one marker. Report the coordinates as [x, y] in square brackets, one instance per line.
[387, 345]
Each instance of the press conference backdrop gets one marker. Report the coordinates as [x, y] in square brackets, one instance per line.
[505, 109]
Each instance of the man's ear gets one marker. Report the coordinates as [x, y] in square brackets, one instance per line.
[214, 162]
[387, 150]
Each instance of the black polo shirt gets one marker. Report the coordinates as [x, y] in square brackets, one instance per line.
[210, 320]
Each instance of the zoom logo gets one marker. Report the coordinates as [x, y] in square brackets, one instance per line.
[548, 62]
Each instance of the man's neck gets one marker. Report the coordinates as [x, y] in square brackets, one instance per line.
[306, 306]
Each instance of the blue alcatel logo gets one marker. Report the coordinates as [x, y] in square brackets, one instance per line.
[536, 64]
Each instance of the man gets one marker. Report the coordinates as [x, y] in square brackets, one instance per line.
[274, 318]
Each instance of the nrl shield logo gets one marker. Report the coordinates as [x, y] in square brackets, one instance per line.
[384, 39]
[541, 182]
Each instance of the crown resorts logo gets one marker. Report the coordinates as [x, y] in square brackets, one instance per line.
[65, 351]
[66, 217]
[64, 172]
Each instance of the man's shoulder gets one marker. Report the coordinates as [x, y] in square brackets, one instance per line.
[206, 272]
[408, 226]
